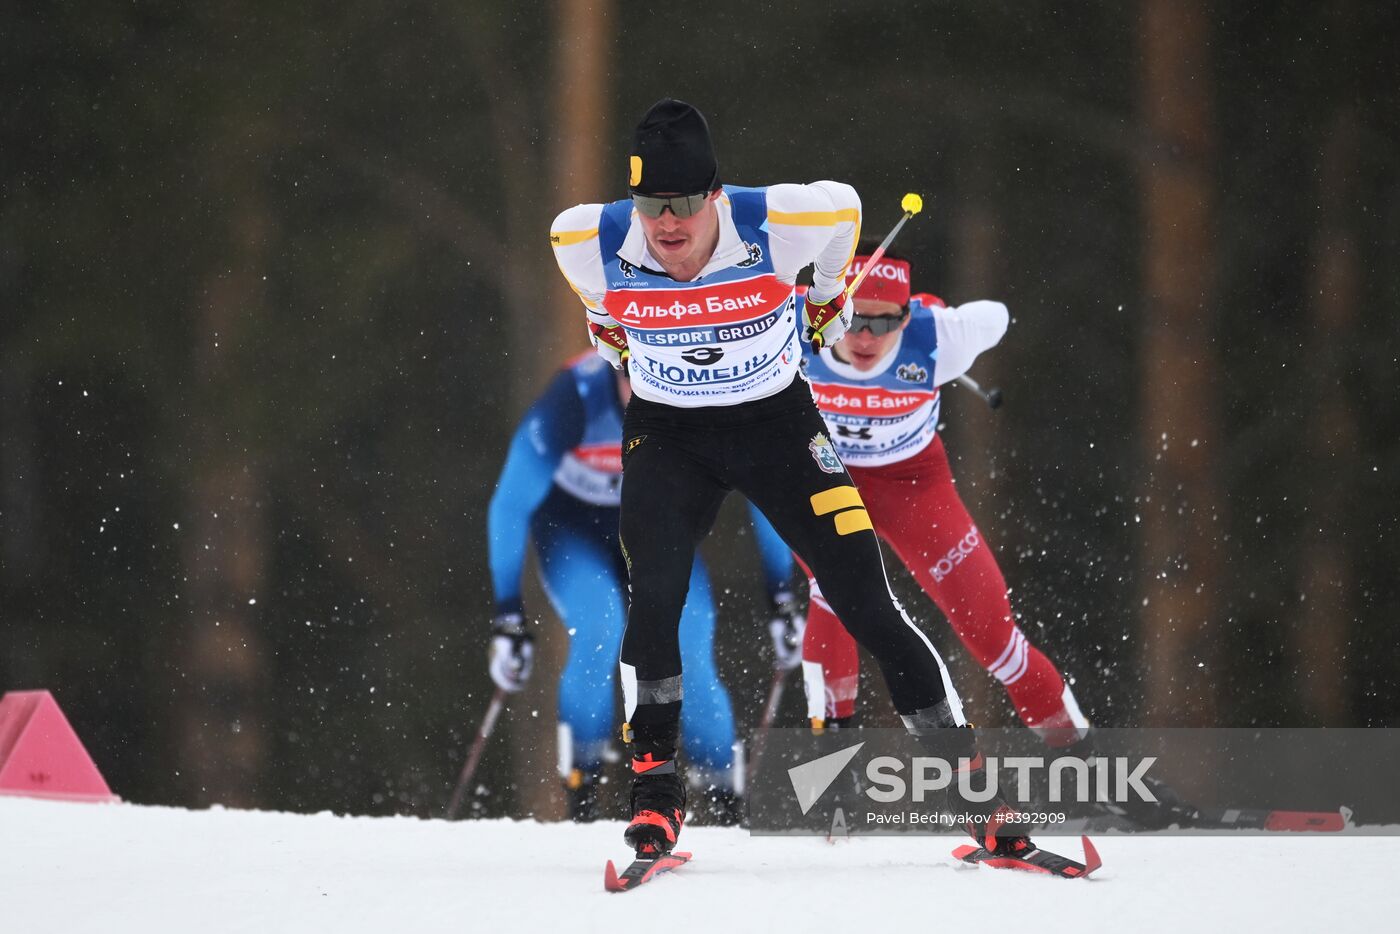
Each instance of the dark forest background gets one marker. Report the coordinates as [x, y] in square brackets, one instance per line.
[274, 288]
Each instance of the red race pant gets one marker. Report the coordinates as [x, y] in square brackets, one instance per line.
[917, 511]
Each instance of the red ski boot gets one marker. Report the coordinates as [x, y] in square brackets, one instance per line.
[658, 807]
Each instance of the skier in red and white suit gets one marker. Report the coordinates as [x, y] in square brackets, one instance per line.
[877, 390]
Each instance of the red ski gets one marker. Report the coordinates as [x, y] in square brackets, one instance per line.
[1258, 819]
[1036, 860]
[641, 871]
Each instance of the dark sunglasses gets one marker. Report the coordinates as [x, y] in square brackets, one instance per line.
[681, 205]
[878, 325]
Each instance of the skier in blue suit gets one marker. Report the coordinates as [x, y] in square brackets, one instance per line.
[561, 486]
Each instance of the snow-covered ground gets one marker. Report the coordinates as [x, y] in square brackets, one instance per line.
[68, 868]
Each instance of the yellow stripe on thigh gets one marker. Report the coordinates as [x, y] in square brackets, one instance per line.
[850, 511]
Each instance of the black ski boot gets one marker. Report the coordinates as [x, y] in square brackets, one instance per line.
[1169, 809]
[1000, 832]
[658, 807]
[722, 807]
[581, 793]
[995, 825]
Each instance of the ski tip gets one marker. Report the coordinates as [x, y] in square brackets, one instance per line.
[1092, 861]
[964, 851]
[610, 878]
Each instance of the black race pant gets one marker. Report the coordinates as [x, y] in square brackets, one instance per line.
[678, 465]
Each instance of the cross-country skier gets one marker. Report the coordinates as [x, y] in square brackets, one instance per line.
[878, 390]
[561, 487]
[693, 282]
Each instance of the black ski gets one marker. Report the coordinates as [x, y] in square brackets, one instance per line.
[1035, 860]
[641, 871]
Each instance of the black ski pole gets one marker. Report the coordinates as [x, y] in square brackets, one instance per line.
[483, 733]
[770, 713]
[990, 396]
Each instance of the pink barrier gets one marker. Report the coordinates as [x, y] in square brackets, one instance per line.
[41, 756]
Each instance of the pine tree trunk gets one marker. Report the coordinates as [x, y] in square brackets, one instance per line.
[1325, 622]
[221, 711]
[583, 138]
[556, 329]
[1181, 497]
[975, 430]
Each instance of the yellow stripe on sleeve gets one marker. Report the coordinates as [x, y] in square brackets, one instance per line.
[855, 242]
[571, 237]
[814, 218]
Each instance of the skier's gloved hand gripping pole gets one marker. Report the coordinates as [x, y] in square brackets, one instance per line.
[611, 344]
[510, 659]
[786, 626]
[826, 323]
[512, 653]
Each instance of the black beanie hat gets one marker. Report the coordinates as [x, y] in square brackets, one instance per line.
[672, 153]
